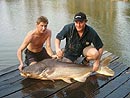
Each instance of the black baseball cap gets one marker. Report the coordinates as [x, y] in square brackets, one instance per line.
[80, 16]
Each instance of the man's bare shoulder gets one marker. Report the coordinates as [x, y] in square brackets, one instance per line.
[31, 33]
[48, 30]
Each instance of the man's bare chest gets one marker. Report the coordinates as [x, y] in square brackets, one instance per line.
[38, 40]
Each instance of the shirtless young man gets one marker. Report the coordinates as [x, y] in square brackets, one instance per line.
[33, 43]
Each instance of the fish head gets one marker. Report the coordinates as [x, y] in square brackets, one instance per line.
[39, 71]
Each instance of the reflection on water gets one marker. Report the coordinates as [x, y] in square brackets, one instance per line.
[110, 19]
[39, 88]
[45, 88]
[88, 89]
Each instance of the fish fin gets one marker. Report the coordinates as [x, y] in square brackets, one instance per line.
[26, 75]
[106, 61]
[82, 78]
[44, 75]
[67, 80]
[23, 75]
[51, 79]
[104, 70]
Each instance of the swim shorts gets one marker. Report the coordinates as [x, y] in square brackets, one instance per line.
[35, 57]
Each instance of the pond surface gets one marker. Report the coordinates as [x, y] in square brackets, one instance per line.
[110, 19]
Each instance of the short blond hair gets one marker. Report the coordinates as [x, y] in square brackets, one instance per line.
[42, 19]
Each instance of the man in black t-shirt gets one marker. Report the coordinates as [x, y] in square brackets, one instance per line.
[80, 39]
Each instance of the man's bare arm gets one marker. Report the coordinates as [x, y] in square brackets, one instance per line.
[20, 50]
[48, 45]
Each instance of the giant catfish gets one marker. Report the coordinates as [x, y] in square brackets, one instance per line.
[53, 69]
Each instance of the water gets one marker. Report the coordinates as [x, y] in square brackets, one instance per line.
[110, 19]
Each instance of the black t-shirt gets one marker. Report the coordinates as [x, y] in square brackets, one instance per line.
[75, 44]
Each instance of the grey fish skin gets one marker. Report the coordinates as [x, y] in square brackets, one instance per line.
[52, 69]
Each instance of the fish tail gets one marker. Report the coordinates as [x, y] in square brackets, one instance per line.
[106, 61]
